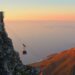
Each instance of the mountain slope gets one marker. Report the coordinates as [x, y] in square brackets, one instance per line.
[59, 64]
[62, 64]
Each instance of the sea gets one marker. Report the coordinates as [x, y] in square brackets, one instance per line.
[42, 38]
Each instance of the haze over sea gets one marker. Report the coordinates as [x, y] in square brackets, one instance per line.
[42, 38]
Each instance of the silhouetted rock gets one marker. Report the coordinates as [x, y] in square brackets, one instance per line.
[10, 63]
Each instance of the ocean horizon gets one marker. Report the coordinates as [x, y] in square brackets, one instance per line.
[41, 38]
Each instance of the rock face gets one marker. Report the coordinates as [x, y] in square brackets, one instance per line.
[10, 63]
[62, 63]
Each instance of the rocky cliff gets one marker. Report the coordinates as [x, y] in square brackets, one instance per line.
[10, 63]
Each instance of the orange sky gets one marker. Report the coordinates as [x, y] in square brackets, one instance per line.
[38, 9]
[58, 17]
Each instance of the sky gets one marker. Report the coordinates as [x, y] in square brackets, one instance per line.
[38, 9]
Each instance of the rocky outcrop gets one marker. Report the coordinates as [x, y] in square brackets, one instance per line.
[10, 63]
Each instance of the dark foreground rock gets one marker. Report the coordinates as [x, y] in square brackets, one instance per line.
[10, 63]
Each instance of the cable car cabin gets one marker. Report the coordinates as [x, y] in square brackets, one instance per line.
[24, 52]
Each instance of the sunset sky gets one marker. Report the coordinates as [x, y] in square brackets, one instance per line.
[38, 9]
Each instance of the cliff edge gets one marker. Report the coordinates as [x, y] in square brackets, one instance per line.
[10, 63]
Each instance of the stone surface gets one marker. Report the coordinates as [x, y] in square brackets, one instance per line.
[10, 63]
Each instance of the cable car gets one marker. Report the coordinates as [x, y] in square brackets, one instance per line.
[24, 51]
[24, 46]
